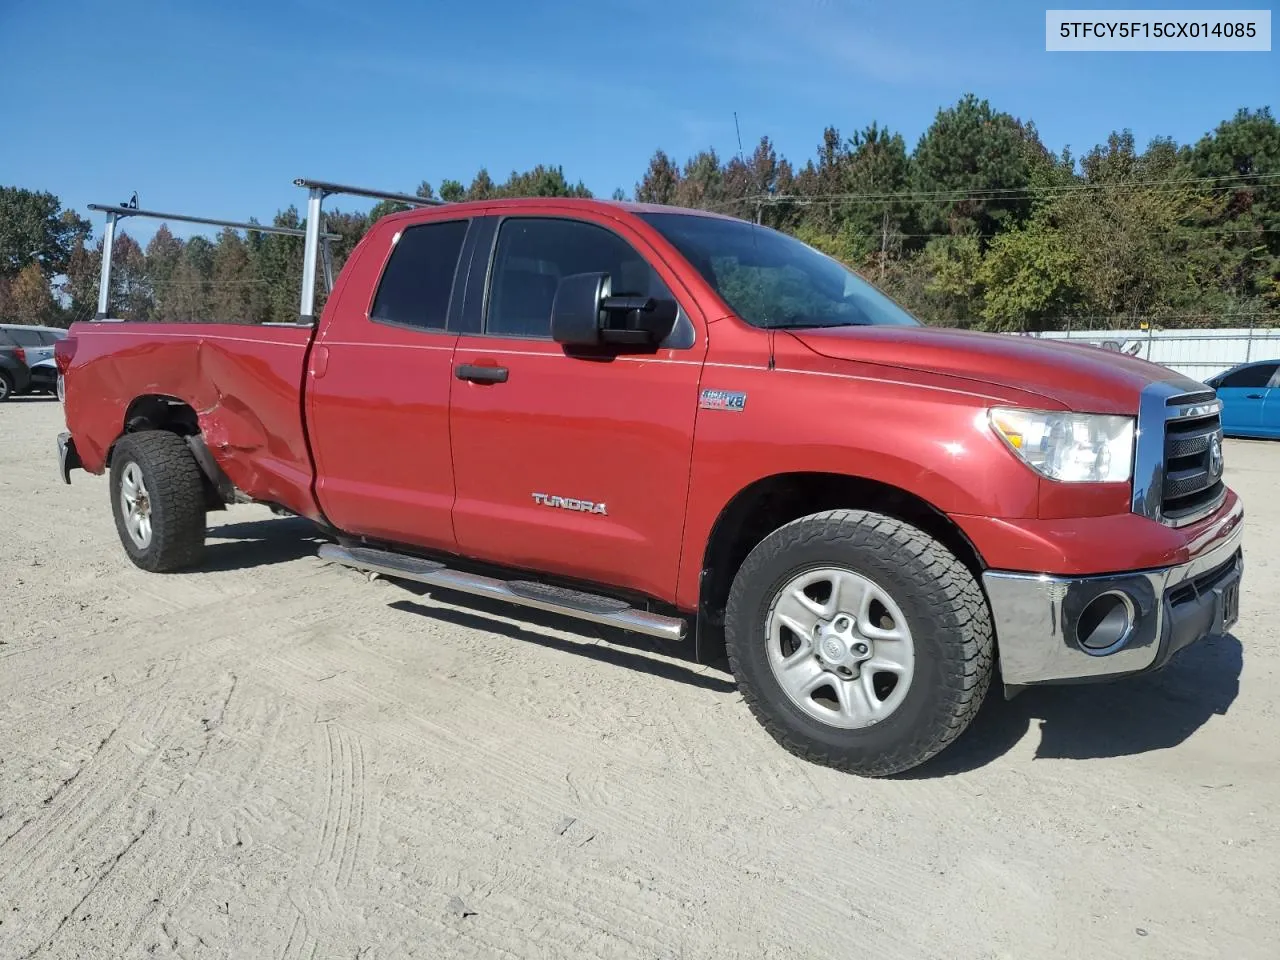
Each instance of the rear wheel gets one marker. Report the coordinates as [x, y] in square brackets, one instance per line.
[157, 496]
[6, 386]
[859, 641]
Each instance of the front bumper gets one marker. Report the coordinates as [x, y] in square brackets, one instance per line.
[44, 377]
[1048, 628]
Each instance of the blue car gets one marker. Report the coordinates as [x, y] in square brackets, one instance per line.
[1250, 395]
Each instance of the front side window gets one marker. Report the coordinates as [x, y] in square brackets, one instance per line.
[418, 280]
[773, 280]
[1258, 375]
[532, 256]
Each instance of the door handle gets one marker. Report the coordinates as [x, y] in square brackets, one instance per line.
[479, 374]
[1253, 396]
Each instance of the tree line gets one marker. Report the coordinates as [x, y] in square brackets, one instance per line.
[979, 225]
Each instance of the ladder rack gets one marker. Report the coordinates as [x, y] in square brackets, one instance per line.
[317, 242]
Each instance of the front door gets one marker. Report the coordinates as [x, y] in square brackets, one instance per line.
[1270, 419]
[574, 464]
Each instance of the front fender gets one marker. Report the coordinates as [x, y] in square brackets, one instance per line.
[933, 443]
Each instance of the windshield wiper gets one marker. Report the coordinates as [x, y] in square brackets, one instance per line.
[800, 322]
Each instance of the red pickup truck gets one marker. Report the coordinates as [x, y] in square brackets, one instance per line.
[692, 426]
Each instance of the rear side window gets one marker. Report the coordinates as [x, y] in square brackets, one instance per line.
[418, 279]
[1256, 376]
[25, 338]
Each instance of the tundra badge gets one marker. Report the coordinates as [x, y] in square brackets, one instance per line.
[568, 503]
[731, 400]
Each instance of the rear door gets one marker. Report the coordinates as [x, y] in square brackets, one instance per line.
[573, 463]
[1243, 393]
[379, 382]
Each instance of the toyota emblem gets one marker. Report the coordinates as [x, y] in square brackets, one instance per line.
[1215, 456]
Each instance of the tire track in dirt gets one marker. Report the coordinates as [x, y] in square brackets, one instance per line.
[464, 733]
[115, 599]
[81, 821]
[141, 770]
[319, 909]
[146, 637]
[110, 867]
[457, 706]
[219, 810]
[73, 810]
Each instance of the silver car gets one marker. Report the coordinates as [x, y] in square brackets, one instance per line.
[36, 342]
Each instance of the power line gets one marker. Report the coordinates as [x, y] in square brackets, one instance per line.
[1085, 185]
[1210, 184]
[1123, 184]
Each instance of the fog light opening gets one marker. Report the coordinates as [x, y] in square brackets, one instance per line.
[1105, 623]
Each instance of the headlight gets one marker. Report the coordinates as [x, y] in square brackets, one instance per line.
[1072, 447]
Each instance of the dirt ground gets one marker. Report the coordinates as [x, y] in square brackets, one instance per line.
[276, 758]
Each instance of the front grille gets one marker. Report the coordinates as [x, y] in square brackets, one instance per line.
[1192, 459]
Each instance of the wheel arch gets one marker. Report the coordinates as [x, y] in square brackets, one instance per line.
[157, 411]
[770, 502]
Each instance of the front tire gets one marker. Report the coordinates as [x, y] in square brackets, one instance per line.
[158, 498]
[859, 641]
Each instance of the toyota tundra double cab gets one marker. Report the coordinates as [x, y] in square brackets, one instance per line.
[700, 429]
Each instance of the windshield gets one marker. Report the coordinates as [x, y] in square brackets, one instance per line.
[772, 280]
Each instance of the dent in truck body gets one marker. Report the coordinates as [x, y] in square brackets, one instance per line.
[243, 382]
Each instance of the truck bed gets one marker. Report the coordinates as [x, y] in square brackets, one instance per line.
[244, 383]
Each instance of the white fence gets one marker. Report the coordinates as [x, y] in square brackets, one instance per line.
[1196, 353]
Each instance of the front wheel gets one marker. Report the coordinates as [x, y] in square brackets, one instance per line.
[157, 496]
[859, 641]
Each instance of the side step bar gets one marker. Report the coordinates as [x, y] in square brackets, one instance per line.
[526, 593]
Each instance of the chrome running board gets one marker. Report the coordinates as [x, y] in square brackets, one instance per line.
[526, 593]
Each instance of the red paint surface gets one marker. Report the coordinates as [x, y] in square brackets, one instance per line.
[403, 451]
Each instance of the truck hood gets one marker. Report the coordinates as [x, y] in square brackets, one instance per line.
[1079, 377]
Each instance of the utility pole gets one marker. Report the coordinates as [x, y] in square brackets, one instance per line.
[884, 242]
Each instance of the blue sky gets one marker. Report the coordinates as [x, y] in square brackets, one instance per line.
[214, 107]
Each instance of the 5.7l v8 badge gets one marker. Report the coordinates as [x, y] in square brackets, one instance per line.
[569, 503]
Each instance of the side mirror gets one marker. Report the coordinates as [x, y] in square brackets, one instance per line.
[575, 311]
[585, 313]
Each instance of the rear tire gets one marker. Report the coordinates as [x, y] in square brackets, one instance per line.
[158, 499]
[6, 386]
[859, 641]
